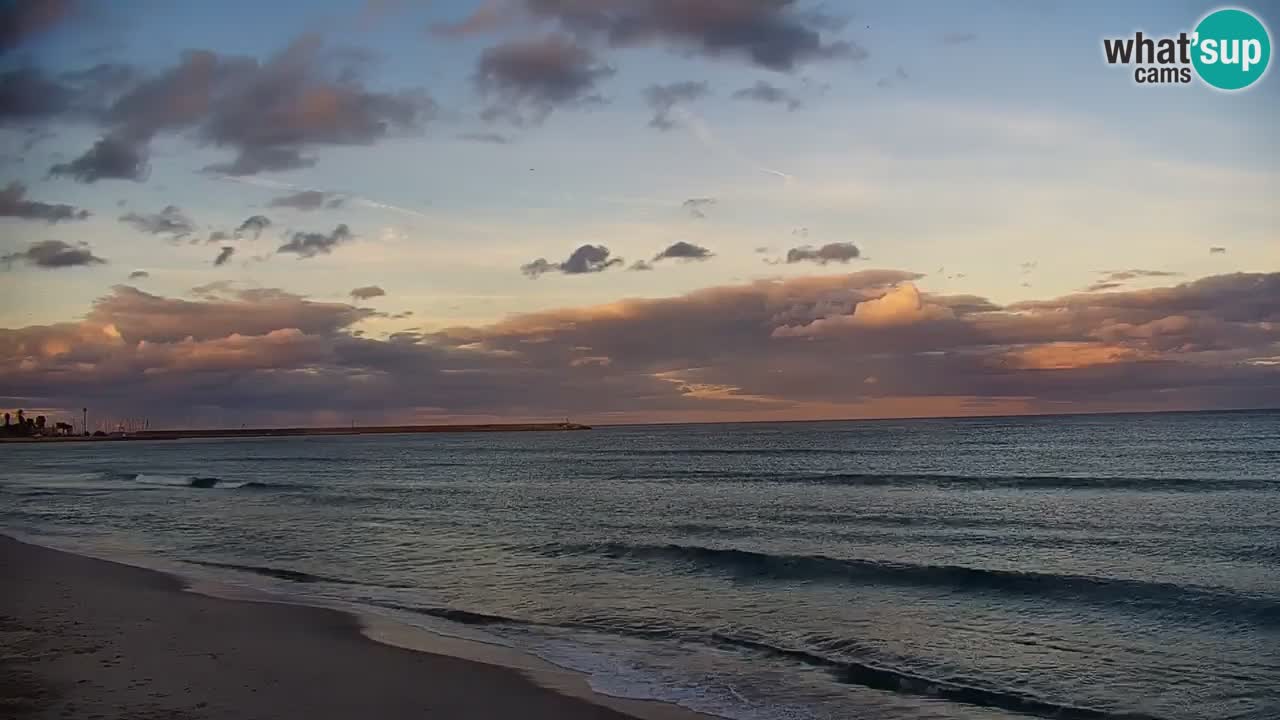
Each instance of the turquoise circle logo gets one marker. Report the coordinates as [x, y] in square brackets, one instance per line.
[1232, 49]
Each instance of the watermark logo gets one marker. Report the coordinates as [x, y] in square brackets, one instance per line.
[1229, 49]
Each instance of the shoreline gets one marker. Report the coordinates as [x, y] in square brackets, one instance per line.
[305, 432]
[91, 636]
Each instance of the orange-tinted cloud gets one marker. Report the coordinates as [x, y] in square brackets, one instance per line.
[862, 344]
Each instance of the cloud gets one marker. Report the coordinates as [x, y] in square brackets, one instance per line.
[110, 158]
[169, 221]
[767, 33]
[829, 253]
[526, 80]
[763, 92]
[308, 200]
[640, 266]
[490, 138]
[27, 94]
[307, 245]
[903, 305]
[224, 255]
[139, 275]
[662, 98]
[53, 254]
[253, 224]
[694, 206]
[769, 349]
[958, 38]
[491, 15]
[899, 75]
[21, 19]
[683, 251]
[586, 259]
[367, 292]
[267, 113]
[1217, 251]
[13, 203]
[1117, 278]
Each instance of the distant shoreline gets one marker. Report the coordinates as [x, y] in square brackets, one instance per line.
[305, 431]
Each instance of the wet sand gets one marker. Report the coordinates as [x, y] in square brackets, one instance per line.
[88, 638]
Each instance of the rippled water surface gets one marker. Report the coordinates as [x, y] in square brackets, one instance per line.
[1083, 567]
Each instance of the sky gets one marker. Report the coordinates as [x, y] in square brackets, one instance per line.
[620, 211]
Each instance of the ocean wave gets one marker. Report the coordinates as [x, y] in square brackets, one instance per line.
[865, 674]
[462, 617]
[202, 483]
[1198, 602]
[953, 481]
[889, 679]
[297, 576]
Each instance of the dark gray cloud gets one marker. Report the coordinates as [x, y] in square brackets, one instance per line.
[662, 98]
[310, 244]
[490, 138]
[53, 254]
[22, 19]
[27, 94]
[14, 203]
[254, 225]
[640, 266]
[1117, 278]
[586, 259]
[829, 253]
[169, 221]
[269, 114]
[224, 255]
[111, 158]
[367, 292]
[139, 275]
[696, 207]
[683, 251]
[1216, 250]
[526, 80]
[308, 200]
[219, 236]
[769, 33]
[763, 92]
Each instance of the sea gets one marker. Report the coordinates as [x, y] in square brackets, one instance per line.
[1075, 567]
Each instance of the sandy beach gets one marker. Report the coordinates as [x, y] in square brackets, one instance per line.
[88, 638]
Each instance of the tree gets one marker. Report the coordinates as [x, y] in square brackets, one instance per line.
[21, 417]
[40, 423]
[6, 419]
